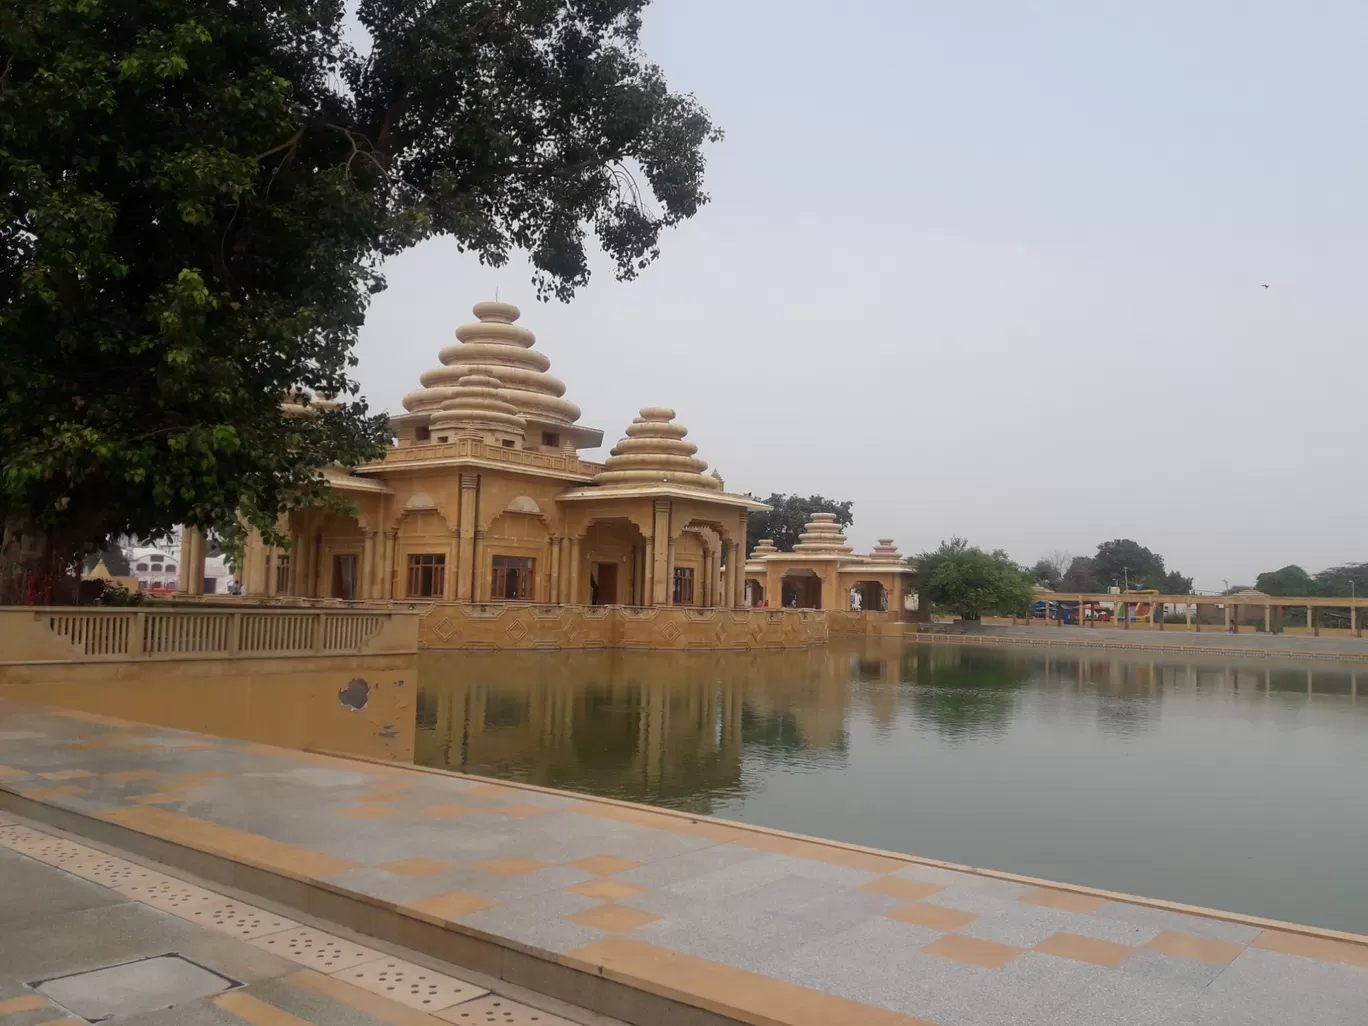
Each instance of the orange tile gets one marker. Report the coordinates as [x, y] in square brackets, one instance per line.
[10, 773]
[604, 865]
[158, 798]
[607, 890]
[723, 990]
[495, 791]
[1323, 949]
[445, 811]
[444, 908]
[1085, 949]
[520, 811]
[379, 1008]
[511, 865]
[1068, 901]
[1202, 949]
[416, 867]
[937, 917]
[366, 812]
[255, 1011]
[908, 890]
[973, 951]
[288, 859]
[613, 918]
[54, 792]
[132, 775]
[659, 821]
[71, 774]
[27, 1003]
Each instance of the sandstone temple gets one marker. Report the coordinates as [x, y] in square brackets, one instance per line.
[485, 498]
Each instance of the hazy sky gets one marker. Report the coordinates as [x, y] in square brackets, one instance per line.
[994, 272]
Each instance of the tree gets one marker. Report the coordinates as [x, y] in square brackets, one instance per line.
[964, 578]
[1047, 574]
[114, 560]
[1340, 581]
[195, 198]
[791, 513]
[1081, 576]
[1120, 563]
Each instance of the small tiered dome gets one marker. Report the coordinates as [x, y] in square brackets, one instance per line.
[764, 547]
[476, 409]
[823, 537]
[654, 452]
[885, 552]
[496, 347]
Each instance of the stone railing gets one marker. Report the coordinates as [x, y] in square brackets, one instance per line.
[79, 634]
[472, 448]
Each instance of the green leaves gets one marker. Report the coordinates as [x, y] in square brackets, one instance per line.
[195, 198]
[972, 583]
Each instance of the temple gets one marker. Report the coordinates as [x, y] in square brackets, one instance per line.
[484, 498]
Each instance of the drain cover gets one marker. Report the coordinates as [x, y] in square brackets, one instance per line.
[141, 986]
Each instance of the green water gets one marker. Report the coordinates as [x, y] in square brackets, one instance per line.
[1235, 785]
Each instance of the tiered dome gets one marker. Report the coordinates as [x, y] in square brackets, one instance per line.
[476, 409]
[823, 537]
[885, 552]
[496, 347]
[764, 547]
[655, 452]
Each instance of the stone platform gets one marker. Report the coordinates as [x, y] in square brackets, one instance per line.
[659, 917]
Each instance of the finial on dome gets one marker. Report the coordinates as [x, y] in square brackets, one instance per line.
[655, 452]
[885, 552]
[476, 409]
[764, 547]
[823, 535]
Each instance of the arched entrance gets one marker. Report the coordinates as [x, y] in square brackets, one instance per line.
[869, 597]
[613, 555]
[802, 589]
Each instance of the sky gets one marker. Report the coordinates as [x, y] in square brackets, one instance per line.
[993, 270]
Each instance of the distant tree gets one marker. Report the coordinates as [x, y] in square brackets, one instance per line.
[1175, 583]
[1047, 574]
[963, 578]
[1290, 580]
[1081, 576]
[114, 560]
[786, 521]
[1348, 579]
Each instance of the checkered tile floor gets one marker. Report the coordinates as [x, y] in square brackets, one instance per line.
[729, 914]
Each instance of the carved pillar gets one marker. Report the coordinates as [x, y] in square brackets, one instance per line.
[367, 589]
[715, 585]
[725, 591]
[563, 595]
[545, 564]
[191, 577]
[647, 596]
[660, 561]
[271, 558]
[387, 588]
[669, 572]
[574, 571]
[463, 571]
[479, 570]
[553, 553]
[739, 551]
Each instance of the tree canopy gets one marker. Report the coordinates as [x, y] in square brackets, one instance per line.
[1123, 562]
[791, 513]
[972, 583]
[195, 199]
[1344, 581]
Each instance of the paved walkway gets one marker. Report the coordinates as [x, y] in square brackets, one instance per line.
[761, 927]
[85, 933]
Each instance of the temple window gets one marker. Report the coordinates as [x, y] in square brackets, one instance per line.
[513, 578]
[142, 566]
[683, 586]
[282, 574]
[426, 575]
[551, 439]
[421, 433]
[508, 443]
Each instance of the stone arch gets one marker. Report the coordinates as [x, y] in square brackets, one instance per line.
[613, 557]
[869, 596]
[523, 504]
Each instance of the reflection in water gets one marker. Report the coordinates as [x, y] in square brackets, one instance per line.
[357, 706]
[1237, 786]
